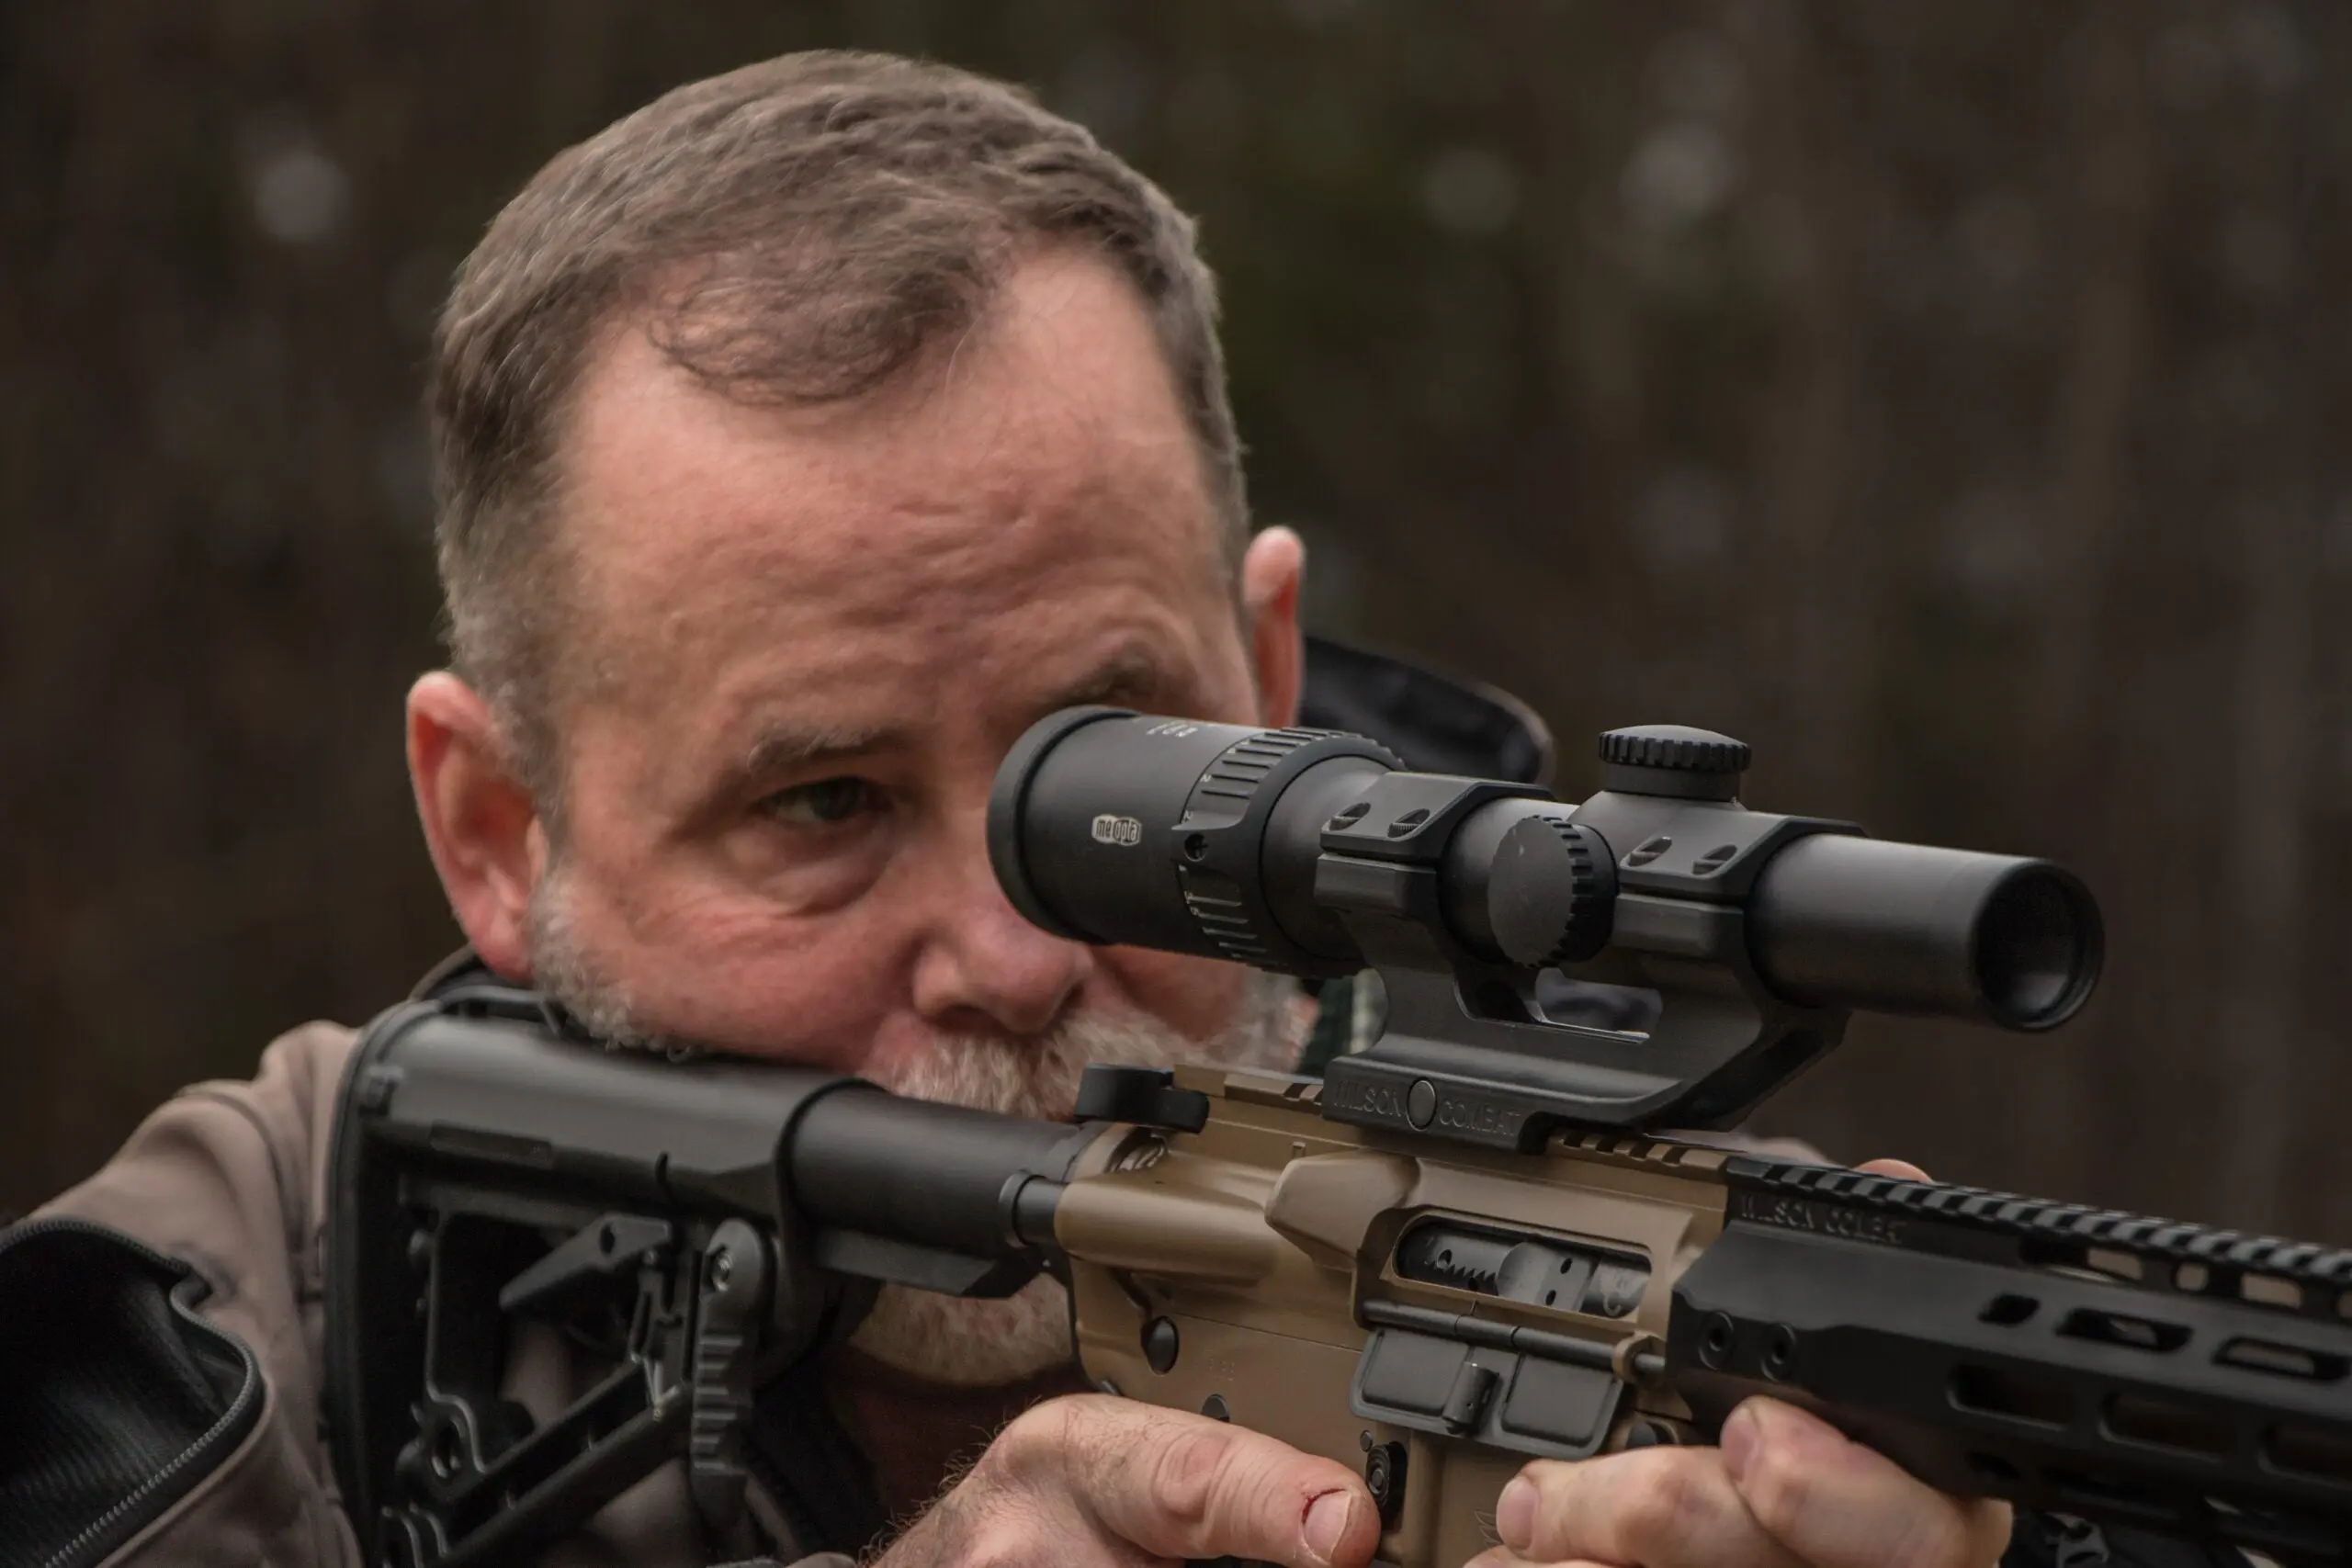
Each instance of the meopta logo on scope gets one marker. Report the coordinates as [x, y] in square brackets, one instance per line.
[1125, 831]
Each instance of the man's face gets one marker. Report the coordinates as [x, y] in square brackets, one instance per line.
[814, 635]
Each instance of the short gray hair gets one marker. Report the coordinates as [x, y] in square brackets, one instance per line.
[802, 229]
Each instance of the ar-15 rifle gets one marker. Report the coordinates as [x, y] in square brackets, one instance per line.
[1462, 1248]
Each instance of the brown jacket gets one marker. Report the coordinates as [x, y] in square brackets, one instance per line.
[230, 1179]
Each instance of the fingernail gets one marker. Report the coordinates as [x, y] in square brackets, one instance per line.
[1515, 1513]
[1738, 1441]
[1327, 1519]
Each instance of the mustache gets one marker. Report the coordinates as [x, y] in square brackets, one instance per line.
[1038, 1075]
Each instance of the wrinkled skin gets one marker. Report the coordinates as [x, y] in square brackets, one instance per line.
[807, 638]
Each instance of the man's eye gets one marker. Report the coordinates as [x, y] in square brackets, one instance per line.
[823, 803]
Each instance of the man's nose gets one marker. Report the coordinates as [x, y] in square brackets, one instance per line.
[984, 969]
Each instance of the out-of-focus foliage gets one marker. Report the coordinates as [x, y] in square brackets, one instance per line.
[1944, 397]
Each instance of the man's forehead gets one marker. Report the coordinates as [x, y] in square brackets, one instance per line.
[1027, 526]
[1048, 438]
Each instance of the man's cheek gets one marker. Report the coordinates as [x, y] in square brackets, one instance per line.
[784, 1019]
[1198, 997]
[751, 987]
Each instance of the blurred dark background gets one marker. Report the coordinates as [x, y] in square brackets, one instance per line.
[1943, 397]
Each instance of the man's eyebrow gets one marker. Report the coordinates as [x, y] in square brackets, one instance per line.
[1134, 677]
[784, 747]
[781, 748]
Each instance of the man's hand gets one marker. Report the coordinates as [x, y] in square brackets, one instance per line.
[1094, 1481]
[1783, 1491]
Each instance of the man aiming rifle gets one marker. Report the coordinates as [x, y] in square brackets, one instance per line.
[800, 441]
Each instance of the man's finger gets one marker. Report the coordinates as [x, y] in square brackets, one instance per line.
[1902, 1169]
[1663, 1508]
[1185, 1486]
[1838, 1505]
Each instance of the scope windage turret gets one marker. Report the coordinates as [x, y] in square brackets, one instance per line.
[1268, 846]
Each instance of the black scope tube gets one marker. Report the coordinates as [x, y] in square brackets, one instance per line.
[920, 1172]
[1854, 922]
[1107, 825]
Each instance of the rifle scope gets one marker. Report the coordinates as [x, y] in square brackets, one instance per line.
[1292, 848]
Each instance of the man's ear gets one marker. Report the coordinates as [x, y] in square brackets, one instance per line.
[1272, 571]
[481, 824]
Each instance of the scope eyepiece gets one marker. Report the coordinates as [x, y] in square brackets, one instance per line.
[1109, 826]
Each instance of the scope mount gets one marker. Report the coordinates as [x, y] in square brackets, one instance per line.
[1467, 1054]
[1656, 956]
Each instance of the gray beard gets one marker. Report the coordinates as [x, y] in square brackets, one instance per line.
[947, 1339]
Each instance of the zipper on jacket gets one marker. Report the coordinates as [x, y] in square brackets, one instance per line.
[215, 1442]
